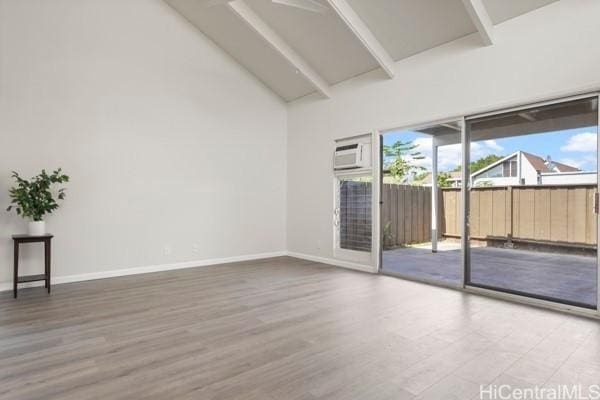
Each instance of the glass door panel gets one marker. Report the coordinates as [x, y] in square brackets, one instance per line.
[421, 203]
[532, 192]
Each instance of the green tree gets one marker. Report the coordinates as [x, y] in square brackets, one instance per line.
[403, 157]
[481, 163]
[422, 176]
[444, 179]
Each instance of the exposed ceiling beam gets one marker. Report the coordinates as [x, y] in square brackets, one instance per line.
[212, 3]
[453, 127]
[307, 5]
[528, 116]
[246, 14]
[364, 34]
[481, 19]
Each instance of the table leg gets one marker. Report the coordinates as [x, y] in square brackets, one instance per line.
[48, 251]
[16, 269]
[45, 264]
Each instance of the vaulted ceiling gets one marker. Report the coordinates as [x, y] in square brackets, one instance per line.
[297, 47]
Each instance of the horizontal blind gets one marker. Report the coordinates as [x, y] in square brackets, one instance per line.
[355, 215]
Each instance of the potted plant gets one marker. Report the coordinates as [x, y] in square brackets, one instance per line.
[33, 198]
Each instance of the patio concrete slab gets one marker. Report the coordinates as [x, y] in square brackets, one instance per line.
[566, 277]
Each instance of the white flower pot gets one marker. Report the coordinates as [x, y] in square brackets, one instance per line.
[37, 228]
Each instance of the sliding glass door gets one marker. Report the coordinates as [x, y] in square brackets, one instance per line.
[421, 203]
[532, 202]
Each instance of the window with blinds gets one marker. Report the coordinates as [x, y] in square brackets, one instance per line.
[355, 214]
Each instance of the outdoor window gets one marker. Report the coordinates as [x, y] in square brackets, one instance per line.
[355, 213]
[495, 172]
[510, 168]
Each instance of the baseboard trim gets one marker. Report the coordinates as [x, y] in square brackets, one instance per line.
[4, 286]
[334, 262]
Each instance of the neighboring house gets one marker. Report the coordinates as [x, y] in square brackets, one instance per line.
[522, 168]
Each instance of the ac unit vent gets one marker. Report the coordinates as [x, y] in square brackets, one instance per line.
[347, 147]
[352, 156]
[345, 159]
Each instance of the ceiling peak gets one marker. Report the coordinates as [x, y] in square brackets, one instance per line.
[246, 14]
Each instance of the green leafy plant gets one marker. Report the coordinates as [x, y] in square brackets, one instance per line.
[444, 180]
[388, 236]
[33, 198]
[403, 159]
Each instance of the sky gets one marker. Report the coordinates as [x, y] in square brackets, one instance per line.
[575, 147]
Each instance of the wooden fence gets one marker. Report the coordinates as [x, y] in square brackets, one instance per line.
[406, 214]
[558, 214]
[561, 215]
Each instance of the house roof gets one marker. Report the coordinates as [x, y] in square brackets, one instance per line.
[539, 164]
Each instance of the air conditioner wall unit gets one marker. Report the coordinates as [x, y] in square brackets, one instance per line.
[352, 156]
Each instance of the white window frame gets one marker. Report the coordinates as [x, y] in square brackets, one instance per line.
[361, 257]
[364, 261]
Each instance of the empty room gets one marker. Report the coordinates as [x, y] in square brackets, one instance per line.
[299, 199]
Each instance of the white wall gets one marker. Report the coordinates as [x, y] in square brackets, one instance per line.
[570, 178]
[551, 50]
[499, 181]
[528, 173]
[168, 141]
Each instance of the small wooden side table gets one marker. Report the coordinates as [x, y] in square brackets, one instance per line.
[47, 240]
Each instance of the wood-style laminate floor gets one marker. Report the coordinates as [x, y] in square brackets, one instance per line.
[280, 329]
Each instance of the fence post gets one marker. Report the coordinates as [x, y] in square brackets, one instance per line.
[509, 212]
